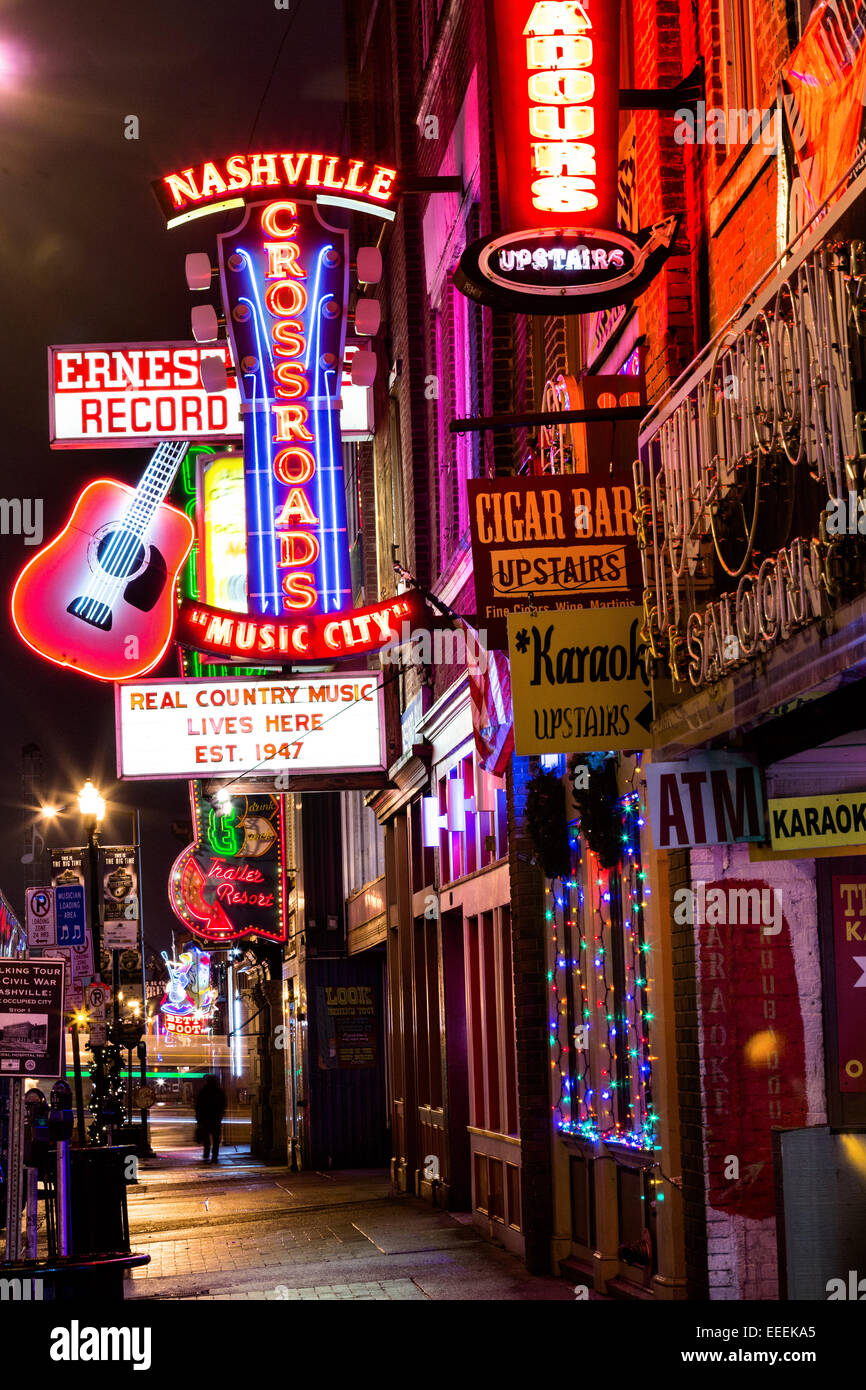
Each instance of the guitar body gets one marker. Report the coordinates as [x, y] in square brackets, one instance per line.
[83, 598]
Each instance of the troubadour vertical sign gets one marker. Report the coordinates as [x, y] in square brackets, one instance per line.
[558, 112]
[285, 282]
[556, 102]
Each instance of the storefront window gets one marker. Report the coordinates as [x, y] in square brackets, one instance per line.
[600, 1013]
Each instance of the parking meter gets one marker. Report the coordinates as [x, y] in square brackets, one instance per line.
[61, 1117]
[36, 1134]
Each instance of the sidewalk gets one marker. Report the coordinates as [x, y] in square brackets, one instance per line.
[247, 1231]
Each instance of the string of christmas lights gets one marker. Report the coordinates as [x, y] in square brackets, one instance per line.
[600, 1013]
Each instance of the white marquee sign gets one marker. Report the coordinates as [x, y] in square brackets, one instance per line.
[213, 728]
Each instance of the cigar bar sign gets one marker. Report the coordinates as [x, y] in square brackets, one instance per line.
[195, 728]
[552, 542]
[129, 395]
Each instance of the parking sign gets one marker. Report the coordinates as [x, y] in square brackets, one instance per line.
[40, 916]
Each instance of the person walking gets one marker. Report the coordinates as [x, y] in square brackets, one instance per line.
[210, 1105]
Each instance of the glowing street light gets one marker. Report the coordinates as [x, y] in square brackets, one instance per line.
[90, 803]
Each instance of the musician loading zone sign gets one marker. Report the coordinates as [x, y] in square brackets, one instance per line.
[189, 728]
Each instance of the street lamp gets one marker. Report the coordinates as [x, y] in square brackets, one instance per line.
[90, 803]
[92, 807]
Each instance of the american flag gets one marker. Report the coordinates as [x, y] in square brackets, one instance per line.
[490, 693]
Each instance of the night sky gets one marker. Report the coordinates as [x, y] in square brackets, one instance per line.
[85, 257]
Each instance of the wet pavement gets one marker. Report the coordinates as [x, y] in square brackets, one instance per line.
[244, 1230]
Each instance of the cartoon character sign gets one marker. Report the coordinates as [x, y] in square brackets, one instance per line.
[178, 1000]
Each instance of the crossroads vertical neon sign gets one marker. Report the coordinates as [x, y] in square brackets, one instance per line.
[285, 283]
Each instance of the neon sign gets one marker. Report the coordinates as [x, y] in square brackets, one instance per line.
[285, 284]
[230, 881]
[323, 638]
[100, 596]
[557, 114]
[177, 1000]
[188, 1004]
[558, 111]
[216, 185]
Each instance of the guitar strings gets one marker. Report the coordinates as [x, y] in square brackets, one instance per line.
[98, 596]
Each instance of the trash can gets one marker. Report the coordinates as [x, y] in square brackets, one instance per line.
[98, 1220]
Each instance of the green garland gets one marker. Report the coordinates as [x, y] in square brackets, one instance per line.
[599, 810]
[547, 823]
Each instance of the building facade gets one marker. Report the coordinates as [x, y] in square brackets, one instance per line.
[610, 1033]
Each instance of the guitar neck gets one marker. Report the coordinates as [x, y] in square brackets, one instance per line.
[154, 485]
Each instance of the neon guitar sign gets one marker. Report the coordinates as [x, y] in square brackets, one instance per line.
[100, 596]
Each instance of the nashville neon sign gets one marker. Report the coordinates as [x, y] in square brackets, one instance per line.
[216, 184]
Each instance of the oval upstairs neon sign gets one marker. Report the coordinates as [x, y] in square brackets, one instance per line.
[557, 263]
[565, 270]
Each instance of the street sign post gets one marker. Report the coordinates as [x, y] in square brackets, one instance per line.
[69, 912]
[40, 917]
[96, 999]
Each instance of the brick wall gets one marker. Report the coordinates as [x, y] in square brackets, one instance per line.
[689, 1084]
[530, 1007]
[768, 983]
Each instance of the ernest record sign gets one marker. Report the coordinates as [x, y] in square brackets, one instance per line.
[708, 799]
[556, 541]
[195, 728]
[579, 680]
